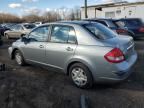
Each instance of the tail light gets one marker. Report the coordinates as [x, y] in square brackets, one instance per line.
[115, 56]
[141, 29]
[121, 31]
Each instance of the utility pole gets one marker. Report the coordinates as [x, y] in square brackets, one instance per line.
[86, 16]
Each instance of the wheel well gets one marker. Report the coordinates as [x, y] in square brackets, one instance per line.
[14, 53]
[131, 34]
[71, 65]
[22, 35]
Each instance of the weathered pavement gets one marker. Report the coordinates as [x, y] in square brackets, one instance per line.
[35, 87]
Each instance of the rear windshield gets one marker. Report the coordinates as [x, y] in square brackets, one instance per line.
[134, 22]
[129, 23]
[111, 24]
[120, 23]
[29, 26]
[99, 31]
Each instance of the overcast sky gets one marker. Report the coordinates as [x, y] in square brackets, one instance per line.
[21, 7]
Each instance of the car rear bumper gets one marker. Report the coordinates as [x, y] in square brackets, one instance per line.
[123, 75]
[119, 73]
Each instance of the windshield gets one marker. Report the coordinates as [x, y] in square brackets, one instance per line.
[29, 26]
[100, 31]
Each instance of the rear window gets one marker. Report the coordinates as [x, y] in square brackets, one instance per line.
[100, 31]
[120, 23]
[111, 24]
[29, 26]
[133, 22]
[129, 23]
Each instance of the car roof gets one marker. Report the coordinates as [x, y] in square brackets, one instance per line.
[129, 19]
[70, 22]
[101, 19]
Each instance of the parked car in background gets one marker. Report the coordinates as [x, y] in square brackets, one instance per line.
[110, 23]
[19, 30]
[38, 23]
[87, 52]
[134, 25]
[8, 25]
[2, 30]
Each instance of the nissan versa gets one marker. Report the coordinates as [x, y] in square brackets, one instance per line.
[87, 52]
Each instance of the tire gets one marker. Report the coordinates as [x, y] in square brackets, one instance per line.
[19, 58]
[81, 76]
[7, 36]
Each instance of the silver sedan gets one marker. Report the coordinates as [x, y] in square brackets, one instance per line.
[87, 52]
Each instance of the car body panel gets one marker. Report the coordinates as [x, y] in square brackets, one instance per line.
[59, 54]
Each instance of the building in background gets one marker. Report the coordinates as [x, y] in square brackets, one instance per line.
[115, 10]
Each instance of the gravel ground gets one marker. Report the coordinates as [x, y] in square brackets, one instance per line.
[35, 87]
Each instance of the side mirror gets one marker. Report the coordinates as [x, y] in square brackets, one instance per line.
[24, 39]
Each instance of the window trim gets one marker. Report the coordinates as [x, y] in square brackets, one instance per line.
[50, 34]
[41, 27]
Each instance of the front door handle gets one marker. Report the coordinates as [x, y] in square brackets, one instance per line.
[41, 46]
[69, 49]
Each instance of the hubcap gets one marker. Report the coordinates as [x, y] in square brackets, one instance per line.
[79, 77]
[18, 58]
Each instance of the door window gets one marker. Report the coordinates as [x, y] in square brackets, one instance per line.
[19, 28]
[63, 34]
[14, 27]
[39, 34]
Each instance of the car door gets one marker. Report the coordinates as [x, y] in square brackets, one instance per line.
[61, 45]
[34, 49]
[11, 32]
[18, 31]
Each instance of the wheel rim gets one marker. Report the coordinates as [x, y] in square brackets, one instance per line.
[78, 76]
[18, 58]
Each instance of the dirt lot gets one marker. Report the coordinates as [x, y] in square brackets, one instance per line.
[34, 87]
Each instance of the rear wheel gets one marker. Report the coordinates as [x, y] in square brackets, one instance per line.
[19, 58]
[81, 76]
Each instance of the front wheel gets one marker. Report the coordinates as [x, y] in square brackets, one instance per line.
[7, 36]
[19, 58]
[81, 76]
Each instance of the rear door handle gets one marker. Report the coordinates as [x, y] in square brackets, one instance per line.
[41, 46]
[69, 49]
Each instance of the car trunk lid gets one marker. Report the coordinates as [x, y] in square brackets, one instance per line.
[124, 43]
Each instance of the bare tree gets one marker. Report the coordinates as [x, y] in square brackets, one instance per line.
[49, 16]
[7, 18]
